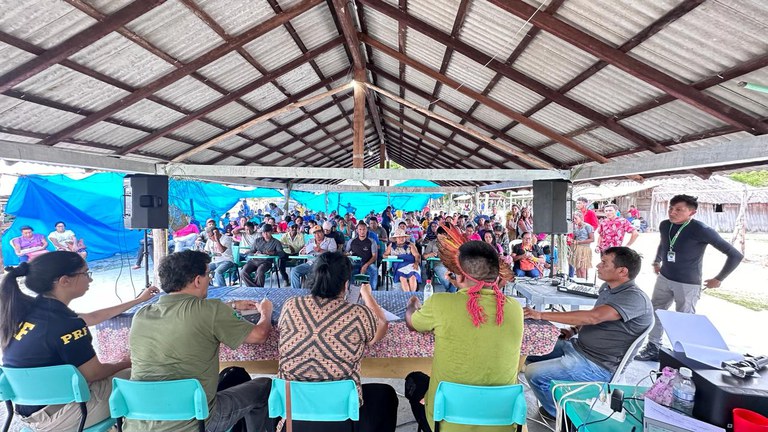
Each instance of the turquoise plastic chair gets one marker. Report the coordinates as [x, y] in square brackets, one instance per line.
[50, 385]
[479, 405]
[158, 400]
[326, 401]
[233, 273]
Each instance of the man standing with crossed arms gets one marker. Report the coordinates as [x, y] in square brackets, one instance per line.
[678, 264]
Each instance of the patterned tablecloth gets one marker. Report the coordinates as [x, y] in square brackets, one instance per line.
[539, 337]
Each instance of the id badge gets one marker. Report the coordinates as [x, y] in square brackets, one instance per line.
[671, 256]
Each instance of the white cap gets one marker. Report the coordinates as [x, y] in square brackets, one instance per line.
[684, 371]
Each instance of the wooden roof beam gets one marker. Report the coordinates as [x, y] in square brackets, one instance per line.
[632, 66]
[183, 71]
[410, 142]
[477, 122]
[310, 144]
[538, 127]
[515, 75]
[344, 20]
[269, 150]
[340, 144]
[77, 42]
[283, 127]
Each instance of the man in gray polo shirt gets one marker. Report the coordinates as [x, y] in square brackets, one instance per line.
[621, 313]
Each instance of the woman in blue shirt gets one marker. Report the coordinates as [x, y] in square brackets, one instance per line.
[43, 331]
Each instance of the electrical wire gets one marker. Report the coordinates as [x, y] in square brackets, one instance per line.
[485, 66]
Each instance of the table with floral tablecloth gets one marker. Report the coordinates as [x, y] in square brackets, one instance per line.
[539, 337]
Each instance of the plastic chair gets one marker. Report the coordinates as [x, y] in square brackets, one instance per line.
[158, 400]
[479, 405]
[50, 385]
[233, 273]
[326, 401]
[631, 352]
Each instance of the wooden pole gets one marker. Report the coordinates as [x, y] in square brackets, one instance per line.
[358, 145]
[288, 108]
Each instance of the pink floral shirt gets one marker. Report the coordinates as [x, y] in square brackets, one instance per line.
[612, 232]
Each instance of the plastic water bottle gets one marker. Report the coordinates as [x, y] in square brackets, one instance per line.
[683, 392]
[428, 290]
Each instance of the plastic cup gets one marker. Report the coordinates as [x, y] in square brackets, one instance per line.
[745, 420]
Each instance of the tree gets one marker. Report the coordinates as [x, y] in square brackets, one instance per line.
[752, 178]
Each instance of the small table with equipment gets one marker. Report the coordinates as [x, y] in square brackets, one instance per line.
[541, 292]
[583, 406]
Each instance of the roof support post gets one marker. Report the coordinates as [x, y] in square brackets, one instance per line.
[358, 146]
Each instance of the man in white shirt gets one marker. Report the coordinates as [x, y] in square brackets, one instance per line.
[316, 246]
[220, 248]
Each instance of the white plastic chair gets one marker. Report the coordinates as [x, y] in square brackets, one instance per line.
[631, 352]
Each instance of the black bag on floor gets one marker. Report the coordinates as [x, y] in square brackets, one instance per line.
[228, 378]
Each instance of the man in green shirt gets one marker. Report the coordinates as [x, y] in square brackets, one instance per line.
[478, 348]
[179, 337]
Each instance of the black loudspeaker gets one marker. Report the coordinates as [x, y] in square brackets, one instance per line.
[145, 201]
[552, 206]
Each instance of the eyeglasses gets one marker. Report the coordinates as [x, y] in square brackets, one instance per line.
[87, 273]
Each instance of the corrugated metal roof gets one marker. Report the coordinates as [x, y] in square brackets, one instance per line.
[42, 23]
[713, 37]
[230, 72]
[119, 58]
[64, 85]
[553, 61]
[612, 91]
[696, 45]
[176, 31]
[671, 121]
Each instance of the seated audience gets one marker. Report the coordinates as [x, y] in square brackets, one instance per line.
[330, 231]
[470, 234]
[219, 247]
[29, 245]
[367, 249]
[202, 237]
[323, 338]
[407, 272]
[490, 238]
[248, 235]
[179, 337]
[43, 331]
[621, 313]
[526, 256]
[316, 246]
[184, 238]
[475, 323]
[266, 245]
[439, 269]
[501, 237]
[65, 240]
[292, 243]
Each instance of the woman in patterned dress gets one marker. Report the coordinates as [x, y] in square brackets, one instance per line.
[408, 271]
[581, 252]
[323, 338]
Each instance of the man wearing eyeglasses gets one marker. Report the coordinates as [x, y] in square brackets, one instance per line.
[179, 338]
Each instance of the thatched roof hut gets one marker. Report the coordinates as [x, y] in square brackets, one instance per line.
[719, 197]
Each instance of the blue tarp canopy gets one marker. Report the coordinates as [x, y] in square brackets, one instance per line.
[92, 208]
[363, 202]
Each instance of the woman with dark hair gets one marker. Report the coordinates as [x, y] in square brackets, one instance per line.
[490, 238]
[42, 331]
[323, 338]
[386, 219]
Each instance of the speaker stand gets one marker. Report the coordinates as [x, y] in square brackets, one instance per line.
[146, 259]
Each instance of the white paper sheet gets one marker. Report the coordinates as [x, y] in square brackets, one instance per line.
[697, 337]
[674, 419]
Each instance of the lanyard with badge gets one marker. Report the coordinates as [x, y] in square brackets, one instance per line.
[672, 240]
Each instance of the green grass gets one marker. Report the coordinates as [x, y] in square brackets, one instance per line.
[746, 300]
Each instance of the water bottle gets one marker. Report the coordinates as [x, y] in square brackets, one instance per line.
[683, 391]
[428, 290]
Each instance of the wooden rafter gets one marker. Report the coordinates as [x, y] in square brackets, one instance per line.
[503, 109]
[632, 66]
[76, 42]
[183, 71]
[514, 75]
[472, 120]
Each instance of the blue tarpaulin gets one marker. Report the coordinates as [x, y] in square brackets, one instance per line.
[92, 208]
[363, 202]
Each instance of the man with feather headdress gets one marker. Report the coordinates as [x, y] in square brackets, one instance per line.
[475, 323]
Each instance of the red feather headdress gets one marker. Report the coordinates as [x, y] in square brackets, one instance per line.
[448, 250]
